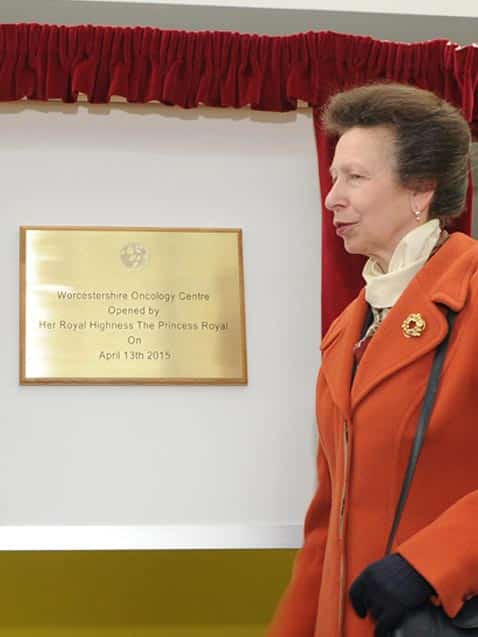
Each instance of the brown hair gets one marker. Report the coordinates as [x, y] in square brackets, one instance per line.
[432, 139]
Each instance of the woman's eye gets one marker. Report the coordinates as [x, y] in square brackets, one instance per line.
[355, 176]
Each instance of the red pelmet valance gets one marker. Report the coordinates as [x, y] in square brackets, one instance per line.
[187, 69]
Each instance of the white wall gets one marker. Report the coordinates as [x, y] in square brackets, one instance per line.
[427, 7]
[225, 466]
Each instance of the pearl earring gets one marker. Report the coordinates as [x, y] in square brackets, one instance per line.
[417, 214]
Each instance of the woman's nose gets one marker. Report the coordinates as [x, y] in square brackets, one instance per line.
[334, 197]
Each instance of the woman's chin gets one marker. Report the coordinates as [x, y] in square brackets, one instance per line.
[351, 246]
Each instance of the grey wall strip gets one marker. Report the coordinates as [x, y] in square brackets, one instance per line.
[404, 28]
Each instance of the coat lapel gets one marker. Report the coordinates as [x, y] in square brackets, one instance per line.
[444, 280]
[337, 351]
[389, 350]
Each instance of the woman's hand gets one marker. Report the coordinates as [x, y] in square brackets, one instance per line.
[388, 589]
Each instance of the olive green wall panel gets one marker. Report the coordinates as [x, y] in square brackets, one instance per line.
[135, 631]
[135, 593]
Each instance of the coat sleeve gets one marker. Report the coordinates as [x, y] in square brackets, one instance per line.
[446, 553]
[296, 614]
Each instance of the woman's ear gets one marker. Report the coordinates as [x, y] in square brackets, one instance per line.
[421, 200]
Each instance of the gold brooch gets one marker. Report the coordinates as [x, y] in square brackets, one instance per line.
[413, 325]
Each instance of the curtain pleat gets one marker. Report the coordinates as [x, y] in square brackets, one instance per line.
[341, 272]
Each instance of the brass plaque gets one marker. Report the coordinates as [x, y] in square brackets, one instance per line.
[131, 306]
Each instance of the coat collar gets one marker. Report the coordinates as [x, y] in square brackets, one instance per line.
[444, 280]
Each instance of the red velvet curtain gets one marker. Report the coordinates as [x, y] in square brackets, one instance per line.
[187, 69]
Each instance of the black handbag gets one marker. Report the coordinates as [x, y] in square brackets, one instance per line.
[429, 620]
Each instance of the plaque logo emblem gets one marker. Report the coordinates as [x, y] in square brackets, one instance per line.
[134, 256]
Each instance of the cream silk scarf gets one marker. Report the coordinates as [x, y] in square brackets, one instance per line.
[412, 252]
[383, 288]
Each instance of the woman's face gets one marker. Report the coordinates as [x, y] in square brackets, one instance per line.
[372, 210]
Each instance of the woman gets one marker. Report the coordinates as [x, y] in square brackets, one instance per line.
[399, 174]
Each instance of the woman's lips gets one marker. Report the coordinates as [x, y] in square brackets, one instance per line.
[342, 228]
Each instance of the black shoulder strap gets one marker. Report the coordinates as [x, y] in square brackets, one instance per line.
[427, 408]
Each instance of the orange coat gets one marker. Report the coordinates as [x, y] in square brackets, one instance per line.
[365, 438]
